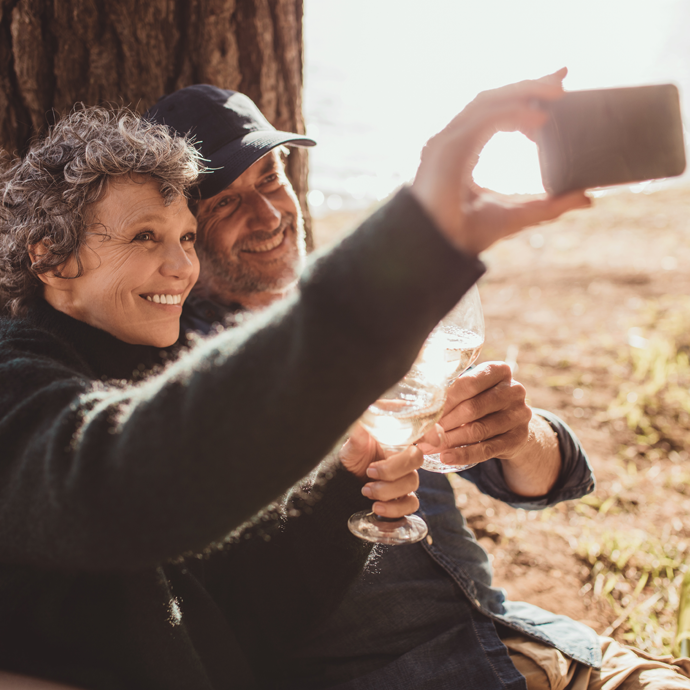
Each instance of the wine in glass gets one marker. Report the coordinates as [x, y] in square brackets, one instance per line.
[452, 347]
[397, 419]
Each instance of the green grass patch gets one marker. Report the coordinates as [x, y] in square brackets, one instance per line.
[639, 575]
[655, 400]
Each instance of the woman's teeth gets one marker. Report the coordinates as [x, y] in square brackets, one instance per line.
[165, 299]
[268, 244]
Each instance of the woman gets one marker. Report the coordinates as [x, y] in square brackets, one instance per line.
[113, 494]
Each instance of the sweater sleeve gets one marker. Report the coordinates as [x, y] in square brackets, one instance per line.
[94, 476]
[290, 567]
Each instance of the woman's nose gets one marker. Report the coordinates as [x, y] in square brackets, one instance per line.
[177, 263]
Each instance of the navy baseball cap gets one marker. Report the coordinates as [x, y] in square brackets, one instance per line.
[227, 128]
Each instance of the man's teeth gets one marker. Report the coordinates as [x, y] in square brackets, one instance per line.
[268, 244]
[165, 299]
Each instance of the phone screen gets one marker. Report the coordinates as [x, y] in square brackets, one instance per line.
[606, 137]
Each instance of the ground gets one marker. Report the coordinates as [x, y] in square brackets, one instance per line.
[579, 303]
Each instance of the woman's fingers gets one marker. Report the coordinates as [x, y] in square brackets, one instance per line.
[443, 184]
[495, 215]
[397, 465]
[389, 491]
[395, 480]
[358, 451]
[522, 93]
[397, 508]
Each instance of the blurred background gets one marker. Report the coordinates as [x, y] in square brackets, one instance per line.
[382, 76]
[593, 309]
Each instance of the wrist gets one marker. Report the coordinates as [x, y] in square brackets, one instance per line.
[535, 467]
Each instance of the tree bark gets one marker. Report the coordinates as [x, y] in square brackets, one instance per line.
[54, 53]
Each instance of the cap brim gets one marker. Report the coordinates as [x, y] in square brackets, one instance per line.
[230, 161]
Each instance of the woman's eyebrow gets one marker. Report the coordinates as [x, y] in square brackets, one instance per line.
[148, 218]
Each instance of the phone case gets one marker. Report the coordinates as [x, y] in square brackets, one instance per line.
[605, 137]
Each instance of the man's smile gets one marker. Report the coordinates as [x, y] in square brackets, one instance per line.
[267, 245]
[263, 242]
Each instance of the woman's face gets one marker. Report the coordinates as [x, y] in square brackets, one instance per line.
[139, 265]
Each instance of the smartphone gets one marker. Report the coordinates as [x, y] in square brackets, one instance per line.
[605, 137]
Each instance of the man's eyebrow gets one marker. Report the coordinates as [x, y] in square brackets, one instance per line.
[270, 163]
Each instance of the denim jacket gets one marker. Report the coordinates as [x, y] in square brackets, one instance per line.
[454, 548]
[424, 615]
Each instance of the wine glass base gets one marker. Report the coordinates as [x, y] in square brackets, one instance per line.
[371, 527]
[432, 463]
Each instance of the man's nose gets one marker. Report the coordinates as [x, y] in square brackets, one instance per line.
[263, 214]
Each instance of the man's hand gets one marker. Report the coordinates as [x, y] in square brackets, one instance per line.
[487, 416]
[395, 477]
[470, 217]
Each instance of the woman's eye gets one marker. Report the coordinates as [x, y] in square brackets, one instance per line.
[189, 237]
[144, 237]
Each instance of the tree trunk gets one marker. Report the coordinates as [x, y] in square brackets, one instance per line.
[54, 53]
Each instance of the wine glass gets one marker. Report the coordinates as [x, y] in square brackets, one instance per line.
[397, 419]
[453, 346]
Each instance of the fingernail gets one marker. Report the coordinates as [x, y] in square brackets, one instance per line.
[372, 472]
[366, 491]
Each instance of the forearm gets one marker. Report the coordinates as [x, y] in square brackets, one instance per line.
[534, 470]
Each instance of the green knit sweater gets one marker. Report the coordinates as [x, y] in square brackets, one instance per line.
[118, 490]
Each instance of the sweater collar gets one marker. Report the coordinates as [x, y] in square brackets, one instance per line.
[105, 355]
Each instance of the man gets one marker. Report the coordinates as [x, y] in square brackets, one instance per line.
[425, 615]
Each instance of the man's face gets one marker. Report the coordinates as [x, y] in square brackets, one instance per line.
[251, 235]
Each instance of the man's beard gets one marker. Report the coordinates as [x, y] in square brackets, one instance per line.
[238, 277]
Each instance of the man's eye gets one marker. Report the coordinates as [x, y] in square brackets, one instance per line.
[225, 201]
[271, 179]
[144, 237]
[189, 237]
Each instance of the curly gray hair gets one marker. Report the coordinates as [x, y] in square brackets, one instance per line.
[46, 197]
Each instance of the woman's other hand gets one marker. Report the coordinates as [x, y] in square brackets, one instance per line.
[392, 480]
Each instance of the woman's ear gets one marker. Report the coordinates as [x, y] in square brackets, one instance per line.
[39, 249]
[36, 252]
